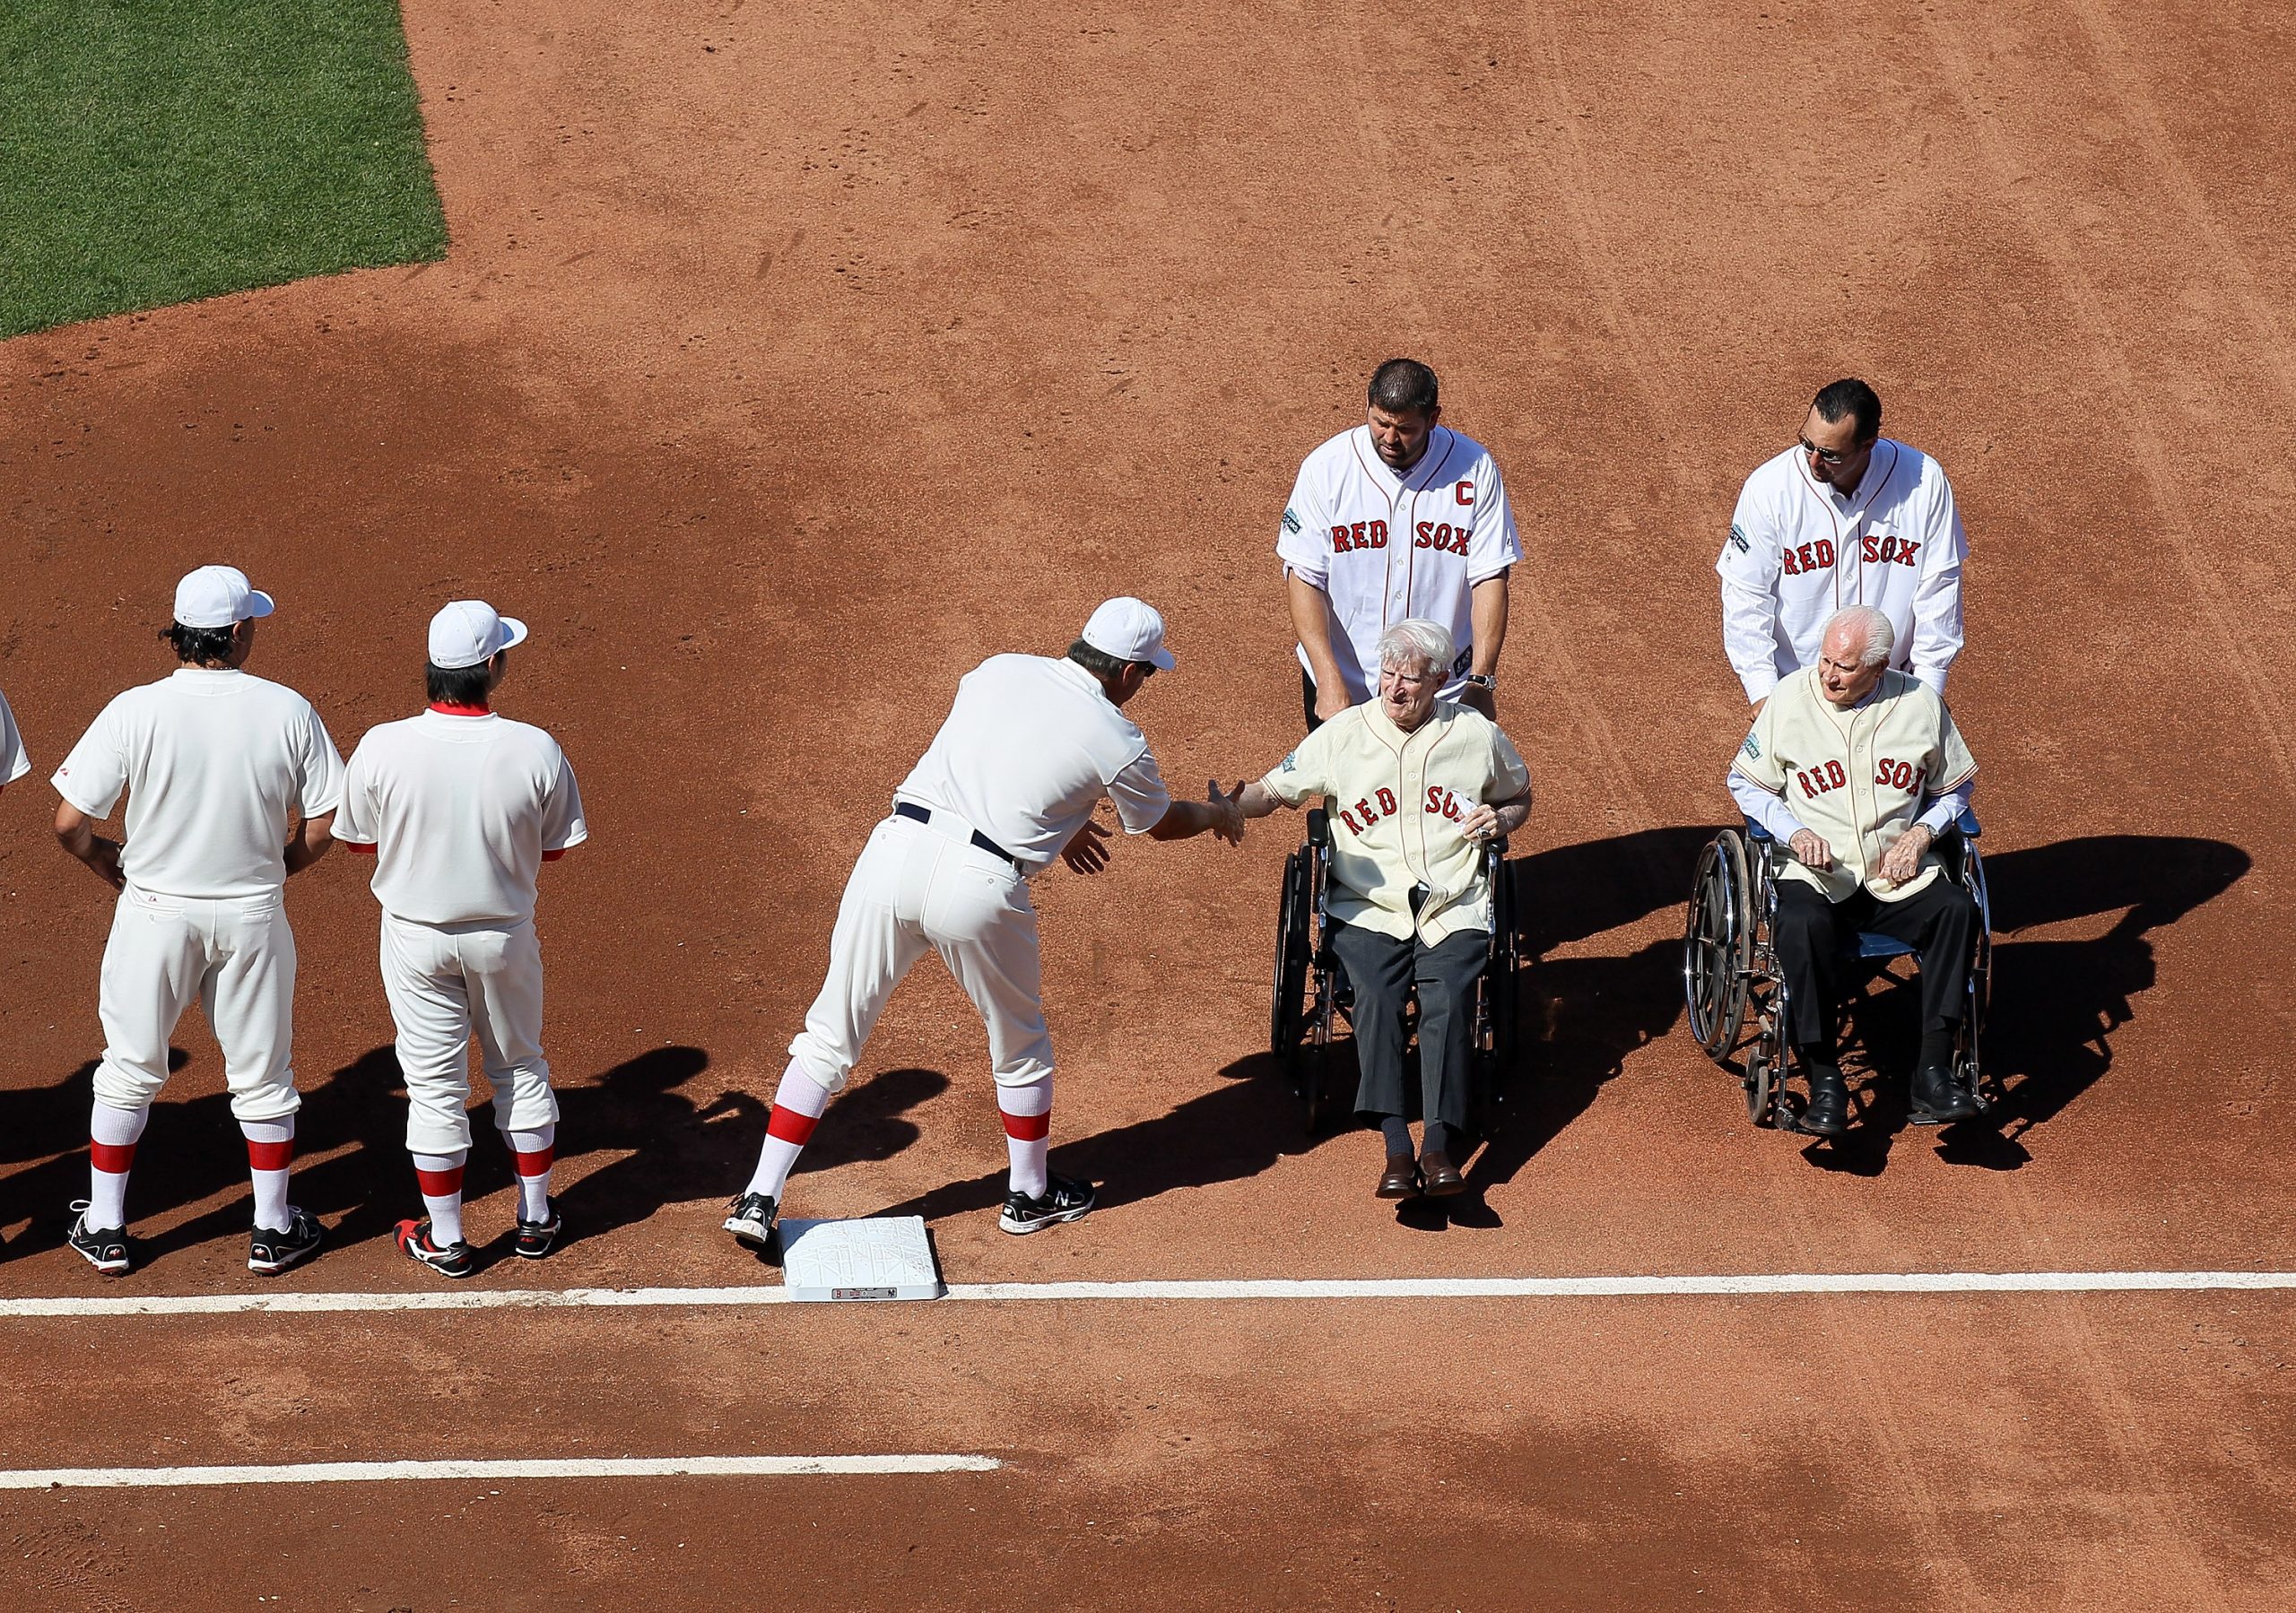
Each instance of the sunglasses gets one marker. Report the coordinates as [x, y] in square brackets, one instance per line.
[1825, 455]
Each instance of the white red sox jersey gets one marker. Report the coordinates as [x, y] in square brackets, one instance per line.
[215, 763]
[1798, 552]
[1397, 802]
[461, 807]
[13, 763]
[1857, 778]
[1386, 548]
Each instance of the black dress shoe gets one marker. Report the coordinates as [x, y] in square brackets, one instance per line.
[1938, 1100]
[1400, 1180]
[1827, 1115]
[1443, 1178]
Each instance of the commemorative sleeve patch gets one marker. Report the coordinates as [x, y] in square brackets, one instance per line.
[1290, 522]
[1738, 539]
[1752, 749]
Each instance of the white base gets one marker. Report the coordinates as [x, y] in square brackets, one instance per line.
[888, 1257]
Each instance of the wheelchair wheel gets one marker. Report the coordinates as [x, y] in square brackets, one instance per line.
[1761, 1089]
[1980, 983]
[1309, 1057]
[1717, 945]
[1497, 1009]
[1292, 955]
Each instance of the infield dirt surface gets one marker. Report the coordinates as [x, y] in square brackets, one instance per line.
[783, 367]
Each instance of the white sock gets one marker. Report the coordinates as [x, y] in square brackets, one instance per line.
[441, 1177]
[1027, 1111]
[112, 1134]
[533, 1154]
[797, 1103]
[271, 1144]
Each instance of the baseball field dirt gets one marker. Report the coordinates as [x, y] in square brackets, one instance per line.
[782, 366]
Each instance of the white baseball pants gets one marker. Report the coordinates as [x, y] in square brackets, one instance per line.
[445, 982]
[237, 959]
[920, 884]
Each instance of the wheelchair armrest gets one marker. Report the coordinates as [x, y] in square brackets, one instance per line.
[1966, 826]
[1318, 827]
[1756, 833]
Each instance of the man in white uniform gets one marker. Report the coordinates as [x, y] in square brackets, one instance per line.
[13, 763]
[1857, 769]
[1396, 518]
[1417, 787]
[217, 765]
[1846, 516]
[1030, 748]
[460, 808]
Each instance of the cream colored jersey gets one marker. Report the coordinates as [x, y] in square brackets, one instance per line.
[1397, 804]
[460, 808]
[1857, 778]
[216, 764]
[13, 763]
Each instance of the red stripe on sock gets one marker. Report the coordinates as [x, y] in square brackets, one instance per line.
[112, 1158]
[790, 1126]
[536, 1163]
[360, 849]
[1028, 1128]
[440, 1185]
[270, 1156]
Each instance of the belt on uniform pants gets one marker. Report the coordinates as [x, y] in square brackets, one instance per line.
[905, 809]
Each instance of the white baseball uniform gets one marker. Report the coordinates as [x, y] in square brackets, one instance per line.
[1384, 548]
[13, 763]
[1028, 749]
[460, 808]
[216, 763]
[1799, 550]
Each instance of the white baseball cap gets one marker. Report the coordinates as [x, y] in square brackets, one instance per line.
[1130, 629]
[217, 596]
[469, 631]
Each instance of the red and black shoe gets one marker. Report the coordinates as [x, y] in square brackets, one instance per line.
[451, 1260]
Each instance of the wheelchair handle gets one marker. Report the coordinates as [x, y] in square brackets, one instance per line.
[1318, 827]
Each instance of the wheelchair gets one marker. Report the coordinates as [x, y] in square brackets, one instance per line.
[1736, 994]
[1311, 999]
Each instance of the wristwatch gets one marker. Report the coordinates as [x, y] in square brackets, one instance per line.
[1483, 679]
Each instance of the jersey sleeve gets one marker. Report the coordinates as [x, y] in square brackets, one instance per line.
[1306, 771]
[13, 763]
[1937, 598]
[1950, 766]
[358, 817]
[1511, 776]
[1749, 568]
[1493, 545]
[1303, 544]
[319, 789]
[96, 771]
[563, 826]
[1757, 756]
[1140, 796]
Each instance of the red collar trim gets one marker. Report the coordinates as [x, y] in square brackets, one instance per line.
[449, 709]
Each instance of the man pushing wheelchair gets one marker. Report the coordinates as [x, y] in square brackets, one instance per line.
[1859, 770]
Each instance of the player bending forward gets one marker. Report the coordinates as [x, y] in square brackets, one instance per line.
[460, 808]
[1025, 754]
[216, 764]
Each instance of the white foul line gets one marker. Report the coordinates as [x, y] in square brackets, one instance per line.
[1245, 1288]
[369, 1472]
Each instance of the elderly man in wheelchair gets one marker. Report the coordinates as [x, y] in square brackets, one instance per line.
[1853, 780]
[1421, 794]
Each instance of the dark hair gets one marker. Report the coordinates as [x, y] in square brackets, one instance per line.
[1854, 398]
[199, 647]
[1402, 387]
[458, 685]
[1099, 663]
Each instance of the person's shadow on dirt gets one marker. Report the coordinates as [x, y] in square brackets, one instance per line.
[1579, 1019]
[2055, 1004]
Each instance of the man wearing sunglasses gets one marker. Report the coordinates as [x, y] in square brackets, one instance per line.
[1845, 516]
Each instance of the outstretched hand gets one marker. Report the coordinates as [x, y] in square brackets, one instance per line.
[1087, 851]
[1228, 812]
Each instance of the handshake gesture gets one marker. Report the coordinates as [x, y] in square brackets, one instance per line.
[1087, 851]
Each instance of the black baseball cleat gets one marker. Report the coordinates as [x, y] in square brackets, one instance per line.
[1061, 1201]
[1938, 1100]
[750, 1217]
[105, 1250]
[537, 1238]
[451, 1260]
[1827, 1115]
[271, 1252]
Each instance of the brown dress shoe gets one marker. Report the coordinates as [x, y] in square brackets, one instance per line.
[1443, 1177]
[1401, 1178]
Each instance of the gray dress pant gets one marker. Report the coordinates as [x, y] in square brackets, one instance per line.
[1384, 972]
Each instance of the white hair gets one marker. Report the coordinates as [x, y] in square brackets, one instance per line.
[1870, 625]
[1416, 638]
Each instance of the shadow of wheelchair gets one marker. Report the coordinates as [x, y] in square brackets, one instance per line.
[2055, 1003]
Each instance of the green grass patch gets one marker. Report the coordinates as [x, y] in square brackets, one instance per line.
[156, 150]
